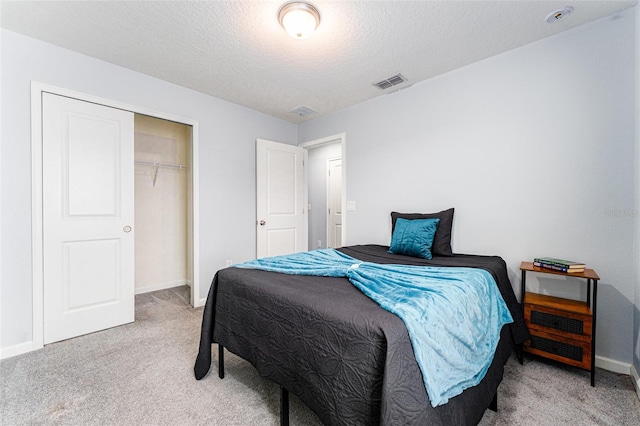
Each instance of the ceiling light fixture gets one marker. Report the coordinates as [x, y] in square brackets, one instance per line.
[559, 14]
[299, 19]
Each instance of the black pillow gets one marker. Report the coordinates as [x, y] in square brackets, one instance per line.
[442, 240]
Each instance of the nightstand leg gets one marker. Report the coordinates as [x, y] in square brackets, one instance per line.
[523, 289]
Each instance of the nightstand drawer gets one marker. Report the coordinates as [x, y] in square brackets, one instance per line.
[555, 321]
[562, 317]
[572, 352]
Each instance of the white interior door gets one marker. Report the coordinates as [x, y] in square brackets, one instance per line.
[334, 202]
[88, 246]
[281, 198]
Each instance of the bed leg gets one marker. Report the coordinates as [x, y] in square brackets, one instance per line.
[220, 361]
[494, 403]
[284, 407]
[520, 353]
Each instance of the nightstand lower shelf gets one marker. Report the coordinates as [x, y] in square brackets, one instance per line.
[569, 352]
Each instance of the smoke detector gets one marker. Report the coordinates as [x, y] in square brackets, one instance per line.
[559, 14]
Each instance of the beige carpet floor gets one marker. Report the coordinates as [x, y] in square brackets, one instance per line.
[142, 374]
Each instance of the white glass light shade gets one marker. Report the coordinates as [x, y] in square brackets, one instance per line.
[299, 19]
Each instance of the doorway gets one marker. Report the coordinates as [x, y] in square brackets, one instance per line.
[38, 192]
[326, 191]
[162, 208]
[334, 202]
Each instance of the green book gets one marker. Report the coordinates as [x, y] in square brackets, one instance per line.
[569, 264]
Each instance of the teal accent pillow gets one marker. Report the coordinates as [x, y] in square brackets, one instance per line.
[413, 237]
[442, 240]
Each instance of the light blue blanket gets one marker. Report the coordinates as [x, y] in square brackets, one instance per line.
[453, 315]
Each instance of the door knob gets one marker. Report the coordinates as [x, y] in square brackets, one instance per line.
[127, 229]
[262, 223]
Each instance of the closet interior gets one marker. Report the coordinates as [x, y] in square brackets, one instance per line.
[162, 204]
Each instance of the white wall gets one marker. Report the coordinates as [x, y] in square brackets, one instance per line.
[227, 162]
[535, 150]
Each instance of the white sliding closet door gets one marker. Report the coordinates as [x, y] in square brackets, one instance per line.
[88, 214]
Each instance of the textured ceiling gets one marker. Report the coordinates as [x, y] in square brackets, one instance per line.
[236, 50]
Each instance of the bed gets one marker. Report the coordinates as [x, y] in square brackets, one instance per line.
[346, 358]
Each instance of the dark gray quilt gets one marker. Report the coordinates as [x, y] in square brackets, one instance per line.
[346, 358]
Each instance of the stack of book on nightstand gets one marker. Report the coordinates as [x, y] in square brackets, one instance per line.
[568, 266]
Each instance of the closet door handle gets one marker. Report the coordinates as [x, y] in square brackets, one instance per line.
[262, 223]
[127, 229]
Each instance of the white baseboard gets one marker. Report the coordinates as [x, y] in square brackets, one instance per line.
[613, 365]
[19, 349]
[635, 379]
[200, 302]
[162, 286]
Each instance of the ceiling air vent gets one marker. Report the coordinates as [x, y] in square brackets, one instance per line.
[391, 81]
[302, 111]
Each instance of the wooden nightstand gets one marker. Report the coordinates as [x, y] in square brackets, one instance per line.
[562, 329]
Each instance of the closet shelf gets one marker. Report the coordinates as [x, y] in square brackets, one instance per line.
[159, 165]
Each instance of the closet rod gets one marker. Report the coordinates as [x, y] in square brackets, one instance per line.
[157, 165]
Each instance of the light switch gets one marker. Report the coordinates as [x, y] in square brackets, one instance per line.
[351, 206]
